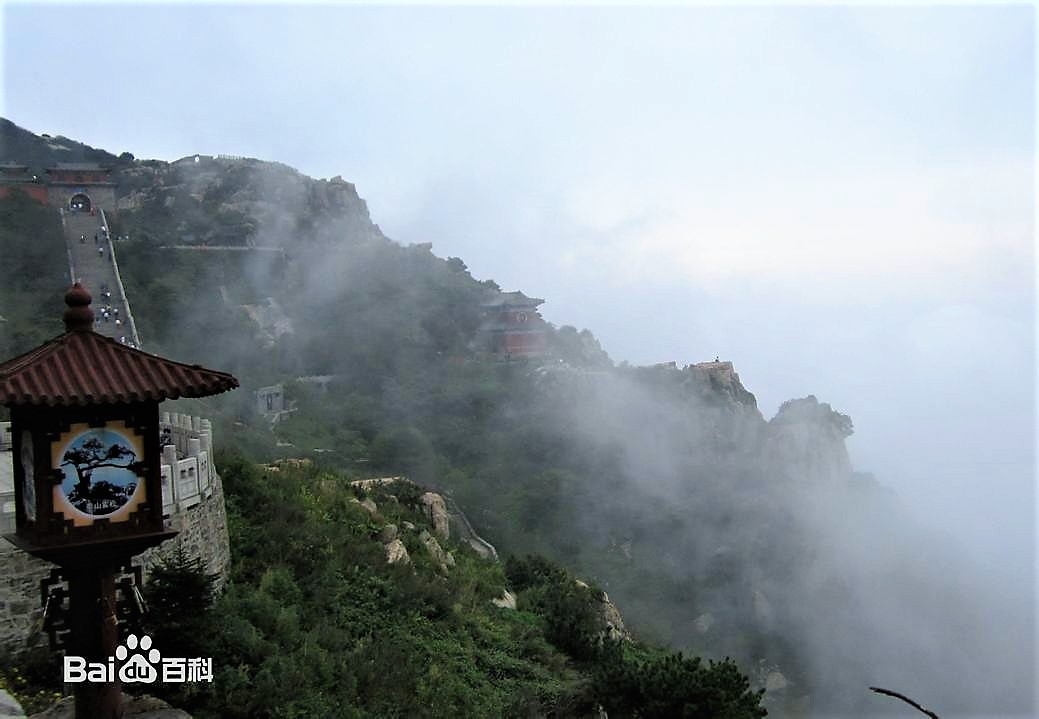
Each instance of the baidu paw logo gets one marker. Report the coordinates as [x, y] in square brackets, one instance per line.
[138, 668]
[138, 662]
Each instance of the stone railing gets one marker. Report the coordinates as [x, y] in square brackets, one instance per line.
[187, 472]
[119, 282]
[7, 506]
[68, 250]
[7, 512]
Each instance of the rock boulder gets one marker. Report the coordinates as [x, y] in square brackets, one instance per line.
[435, 509]
[441, 558]
[506, 601]
[397, 553]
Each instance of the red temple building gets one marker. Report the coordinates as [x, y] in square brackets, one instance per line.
[81, 186]
[75, 186]
[512, 326]
[15, 177]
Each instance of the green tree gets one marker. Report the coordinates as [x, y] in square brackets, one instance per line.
[632, 682]
[180, 594]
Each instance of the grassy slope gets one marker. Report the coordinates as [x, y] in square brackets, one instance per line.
[33, 274]
[316, 623]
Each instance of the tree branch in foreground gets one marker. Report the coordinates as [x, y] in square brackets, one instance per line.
[904, 698]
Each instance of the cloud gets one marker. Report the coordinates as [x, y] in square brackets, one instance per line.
[907, 232]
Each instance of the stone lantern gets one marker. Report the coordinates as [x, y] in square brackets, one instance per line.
[88, 492]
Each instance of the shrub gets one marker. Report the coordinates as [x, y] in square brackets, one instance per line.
[632, 682]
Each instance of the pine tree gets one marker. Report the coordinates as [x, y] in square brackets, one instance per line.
[179, 594]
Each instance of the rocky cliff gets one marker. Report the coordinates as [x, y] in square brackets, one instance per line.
[806, 440]
[239, 202]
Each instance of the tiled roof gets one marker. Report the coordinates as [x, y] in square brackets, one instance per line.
[512, 299]
[85, 368]
[77, 166]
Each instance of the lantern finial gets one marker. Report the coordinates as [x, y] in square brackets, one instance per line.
[78, 315]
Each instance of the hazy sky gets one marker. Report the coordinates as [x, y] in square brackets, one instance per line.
[838, 199]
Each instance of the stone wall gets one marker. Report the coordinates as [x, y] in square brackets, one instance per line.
[101, 196]
[197, 513]
[20, 608]
[203, 534]
[36, 191]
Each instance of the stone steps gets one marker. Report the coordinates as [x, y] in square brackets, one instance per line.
[93, 265]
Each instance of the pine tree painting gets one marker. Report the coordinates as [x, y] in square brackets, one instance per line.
[101, 472]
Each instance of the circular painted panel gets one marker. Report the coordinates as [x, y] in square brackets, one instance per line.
[101, 471]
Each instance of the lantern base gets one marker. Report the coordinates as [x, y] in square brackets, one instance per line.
[92, 552]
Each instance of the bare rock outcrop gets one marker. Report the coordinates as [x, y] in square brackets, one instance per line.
[397, 553]
[506, 601]
[719, 378]
[770, 678]
[270, 319]
[375, 482]
[370, 506]
[435, 509]
[775, 681]
[9, 707]
[441, 558]
[610, 620]
[806, 438]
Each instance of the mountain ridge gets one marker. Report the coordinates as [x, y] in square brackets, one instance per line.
[714, 530]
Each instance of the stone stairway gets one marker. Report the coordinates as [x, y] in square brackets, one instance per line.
[93, 264]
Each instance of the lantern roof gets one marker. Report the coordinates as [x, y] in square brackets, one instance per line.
[82, 367]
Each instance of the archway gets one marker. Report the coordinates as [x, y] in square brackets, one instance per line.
[80, 202]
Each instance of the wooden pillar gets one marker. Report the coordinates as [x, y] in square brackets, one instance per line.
[95, 636]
